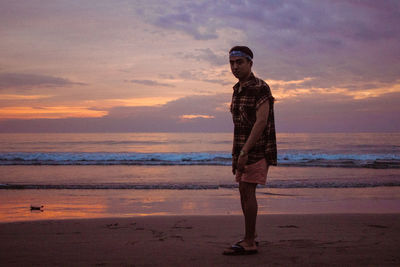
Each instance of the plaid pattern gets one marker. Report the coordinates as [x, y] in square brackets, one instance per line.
[244, 106]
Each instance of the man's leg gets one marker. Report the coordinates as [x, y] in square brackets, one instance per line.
[249, 208]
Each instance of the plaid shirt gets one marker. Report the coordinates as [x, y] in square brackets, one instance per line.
[243, 108]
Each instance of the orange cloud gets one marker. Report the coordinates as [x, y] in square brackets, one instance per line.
[378, 89]
[23, 97]
[196, 116]
[139, 102]
[49, 112]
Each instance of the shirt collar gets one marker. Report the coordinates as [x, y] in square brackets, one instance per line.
[248, 83]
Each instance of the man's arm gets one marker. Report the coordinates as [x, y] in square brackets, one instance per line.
[258, 128]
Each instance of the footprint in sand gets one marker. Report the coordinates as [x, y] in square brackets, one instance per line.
[299, 243]
[115, 226]
[112, 226]
[177, 237]
[178, 225]
[288, 226]
[377, 226]
[161, 236]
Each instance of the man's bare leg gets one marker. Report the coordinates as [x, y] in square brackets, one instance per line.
[249, 208]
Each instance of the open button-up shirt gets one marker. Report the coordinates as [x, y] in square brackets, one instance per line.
[244, 106]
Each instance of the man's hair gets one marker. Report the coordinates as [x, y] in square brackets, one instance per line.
[243, 49]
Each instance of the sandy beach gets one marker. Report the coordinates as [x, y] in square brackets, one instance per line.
[284, 240]
[98, 211]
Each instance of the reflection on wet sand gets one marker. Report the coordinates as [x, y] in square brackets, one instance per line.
[68, 204]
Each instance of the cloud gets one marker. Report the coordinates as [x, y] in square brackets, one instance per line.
[49, 112]
[308, 113]
[189, 21]
[29, 81]
[338, 113]
[335, 42]
[205, 115]
[151, 83]
[205, 76]
[195, 104]
[314, 52]
[196, 116]
[207, 55]
[14, 97]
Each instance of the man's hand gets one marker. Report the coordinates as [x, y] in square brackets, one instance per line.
[242, 160]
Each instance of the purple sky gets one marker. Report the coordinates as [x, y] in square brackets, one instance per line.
[115, 66]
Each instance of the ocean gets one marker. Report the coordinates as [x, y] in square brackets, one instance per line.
[160, 173]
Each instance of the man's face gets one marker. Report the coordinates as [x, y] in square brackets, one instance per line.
[240, 67]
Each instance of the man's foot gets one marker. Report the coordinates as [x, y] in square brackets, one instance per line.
[242, 240]
[241, 248]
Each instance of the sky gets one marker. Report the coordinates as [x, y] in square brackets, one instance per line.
[162, 65]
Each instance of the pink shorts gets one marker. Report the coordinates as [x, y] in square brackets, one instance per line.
[254, 173]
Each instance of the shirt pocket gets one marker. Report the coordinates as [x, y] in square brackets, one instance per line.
[245, 112]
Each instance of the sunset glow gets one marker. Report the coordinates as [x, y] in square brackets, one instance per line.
[49, 112]
[196, 116]
[131, 62]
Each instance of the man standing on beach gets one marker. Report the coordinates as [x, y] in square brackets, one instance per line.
[254, 142]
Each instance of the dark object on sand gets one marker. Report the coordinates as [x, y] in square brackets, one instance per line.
[37, 208]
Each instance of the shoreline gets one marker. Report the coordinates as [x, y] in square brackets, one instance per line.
[109, 203]
[285, 239]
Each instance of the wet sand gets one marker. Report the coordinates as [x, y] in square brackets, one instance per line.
[285, 240]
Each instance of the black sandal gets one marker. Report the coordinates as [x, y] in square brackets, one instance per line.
[239, 250]
[241, 240]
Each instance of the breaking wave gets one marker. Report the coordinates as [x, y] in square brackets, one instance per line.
[224, 159]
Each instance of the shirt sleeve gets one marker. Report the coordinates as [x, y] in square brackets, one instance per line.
[263, 95]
